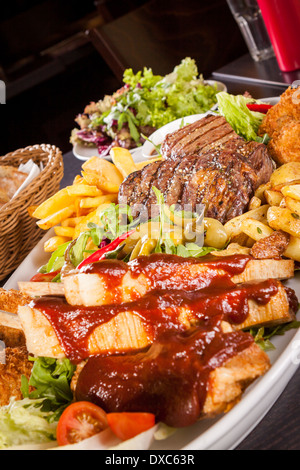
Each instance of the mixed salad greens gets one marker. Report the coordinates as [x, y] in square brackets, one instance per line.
[34, 418]
[145, 103]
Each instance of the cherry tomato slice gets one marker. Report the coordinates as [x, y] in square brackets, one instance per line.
[44, 277]
[79, 421]
[126, 425]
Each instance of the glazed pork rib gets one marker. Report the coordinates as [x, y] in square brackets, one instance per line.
[179, 379]
[53, 328]
[216, 168]
[113, 281]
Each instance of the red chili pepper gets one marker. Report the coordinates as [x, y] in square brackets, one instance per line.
[260, 108]
[44, 277]
[100, 254]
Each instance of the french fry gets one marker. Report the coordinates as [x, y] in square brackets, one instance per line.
[292, 191]
[64, 231]
[56, 218]
[293, 249]
[109, 176]
[123, 160]
[54, 242]
[292, 204]
[91, 217]
[260, 192]
[140, 165]
[83, 190]
[273, 198]
[255, 229]
[254, 203]
[285, 175]
[54, 204]
[91, 178]
[78, 179]
[233, 226]
[92, 202]
[31, 210]
[283, 219]
[71, 221]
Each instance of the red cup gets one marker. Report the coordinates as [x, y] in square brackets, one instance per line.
[282, 20]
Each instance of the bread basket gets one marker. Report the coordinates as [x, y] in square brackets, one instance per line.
[19, 232]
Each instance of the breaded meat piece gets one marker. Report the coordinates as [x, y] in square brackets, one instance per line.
[284, 146]
[11, 332]
[285, 111]
[13, 364]
[11, 299]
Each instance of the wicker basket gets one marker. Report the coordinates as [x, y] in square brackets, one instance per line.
[19, 232]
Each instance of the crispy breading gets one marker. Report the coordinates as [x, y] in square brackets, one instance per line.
[282, 124]
[12, 367]
[285, 111]
[284, 146]
[10, 333]
[11, 299]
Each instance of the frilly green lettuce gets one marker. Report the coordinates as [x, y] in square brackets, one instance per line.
[245, 122]
[23, 422]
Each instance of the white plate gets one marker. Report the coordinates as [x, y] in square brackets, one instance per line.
[224, 432]
[84, 153]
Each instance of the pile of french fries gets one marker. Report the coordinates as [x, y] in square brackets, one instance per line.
[275, 206]
[70, 209]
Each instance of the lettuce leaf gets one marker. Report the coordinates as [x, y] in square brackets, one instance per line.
[153, 100]
[245, 122]
[23, 422]
[51, 380]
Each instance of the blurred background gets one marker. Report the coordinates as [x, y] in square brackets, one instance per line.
[58, 55]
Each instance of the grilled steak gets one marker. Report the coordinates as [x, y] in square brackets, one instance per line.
[203, 163]
[198, 137]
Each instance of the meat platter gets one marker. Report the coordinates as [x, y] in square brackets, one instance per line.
[167, 280]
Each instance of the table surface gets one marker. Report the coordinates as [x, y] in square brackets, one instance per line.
[266, 73]
[278, 430]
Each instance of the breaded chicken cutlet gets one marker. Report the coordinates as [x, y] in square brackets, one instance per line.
[284, 147]
[14, 363]
[13, 352]
[11, 332]
[11, 299]
[282, 124]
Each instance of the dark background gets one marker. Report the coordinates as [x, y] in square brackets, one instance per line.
[52, 68]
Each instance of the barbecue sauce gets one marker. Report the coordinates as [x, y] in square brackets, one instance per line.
[160, 265]
[164, 271]
[170, 379]
[160, 309]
